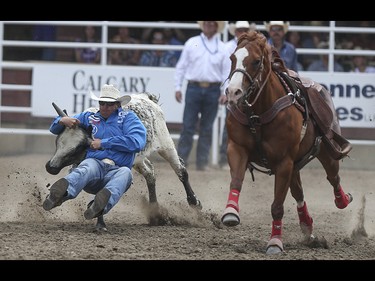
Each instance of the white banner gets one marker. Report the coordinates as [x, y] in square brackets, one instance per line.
[69, 87]
[353, 95]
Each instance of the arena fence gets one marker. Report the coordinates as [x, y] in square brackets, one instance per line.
[23, 111]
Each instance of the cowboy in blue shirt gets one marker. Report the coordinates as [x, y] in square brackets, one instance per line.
[118, 135]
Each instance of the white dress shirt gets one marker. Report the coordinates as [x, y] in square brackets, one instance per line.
[202, 60]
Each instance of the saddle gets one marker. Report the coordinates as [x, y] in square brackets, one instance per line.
[323, 113]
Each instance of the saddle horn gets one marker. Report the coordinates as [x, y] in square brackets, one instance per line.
[59, 111]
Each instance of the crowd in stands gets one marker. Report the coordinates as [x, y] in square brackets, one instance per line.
[91, 54]
[174, 36]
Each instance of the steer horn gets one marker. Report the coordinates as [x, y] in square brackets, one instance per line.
[59, 111]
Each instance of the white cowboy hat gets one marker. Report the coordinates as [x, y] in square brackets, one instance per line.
[284, 24]
[240, 24]
[220, 25]
[110, 94]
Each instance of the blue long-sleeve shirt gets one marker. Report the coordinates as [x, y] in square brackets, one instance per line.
[289, 55]
[122, 135]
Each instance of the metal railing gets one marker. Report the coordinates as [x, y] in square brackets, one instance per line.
[105, 45]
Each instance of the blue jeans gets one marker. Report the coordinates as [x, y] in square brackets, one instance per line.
[91, 175]
[203, 101]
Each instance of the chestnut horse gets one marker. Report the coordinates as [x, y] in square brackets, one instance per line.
[276, 124]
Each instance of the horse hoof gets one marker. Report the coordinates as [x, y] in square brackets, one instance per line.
[306, 229]
[230, 217]
[230, 220]
[274, 246]
[272, 250]
[343, 203]
[350, 197]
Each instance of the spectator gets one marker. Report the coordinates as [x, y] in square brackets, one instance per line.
[124, 56]
[114, 55]
[360, 63]
[46, 32]
[295, 39]
[158, 57]
[366, 40]
[88, 55]
[204, 63]
[236, 30]
[311, 40]
[106, 171]
[174, 36]
[321, 64]
[277, 31]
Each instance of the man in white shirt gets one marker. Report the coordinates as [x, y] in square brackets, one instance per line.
[204, 63]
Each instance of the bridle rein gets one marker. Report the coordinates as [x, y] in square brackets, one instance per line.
[247, 116]
[254, 83]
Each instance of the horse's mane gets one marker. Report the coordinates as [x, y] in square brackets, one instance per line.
[270, 53]
[259, 39]
[252, 35]
[277, 61]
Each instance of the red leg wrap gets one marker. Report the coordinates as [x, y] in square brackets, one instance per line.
[341, 199]
[233, 198]
[304, 216]
[276, 229]
[305, 221]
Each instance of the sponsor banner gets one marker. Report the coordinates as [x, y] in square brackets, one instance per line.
[69, 87]
[353, 95]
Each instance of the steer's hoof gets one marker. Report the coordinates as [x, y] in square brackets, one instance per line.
[100, 225]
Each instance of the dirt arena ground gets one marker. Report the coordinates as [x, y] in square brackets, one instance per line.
[29, 233]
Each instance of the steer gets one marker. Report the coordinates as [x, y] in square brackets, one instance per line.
[71, 145]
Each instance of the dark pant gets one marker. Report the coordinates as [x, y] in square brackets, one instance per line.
[203, 102]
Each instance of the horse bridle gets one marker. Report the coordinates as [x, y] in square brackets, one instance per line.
[254, 83]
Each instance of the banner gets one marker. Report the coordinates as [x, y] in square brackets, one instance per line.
[69, 87]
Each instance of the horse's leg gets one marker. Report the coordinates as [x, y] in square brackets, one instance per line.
[331, 167]
[305, 220]
[237, 160]
[283, 176]
[179, 168]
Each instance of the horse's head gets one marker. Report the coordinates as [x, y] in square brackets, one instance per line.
[250, 67]
[71, 145]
